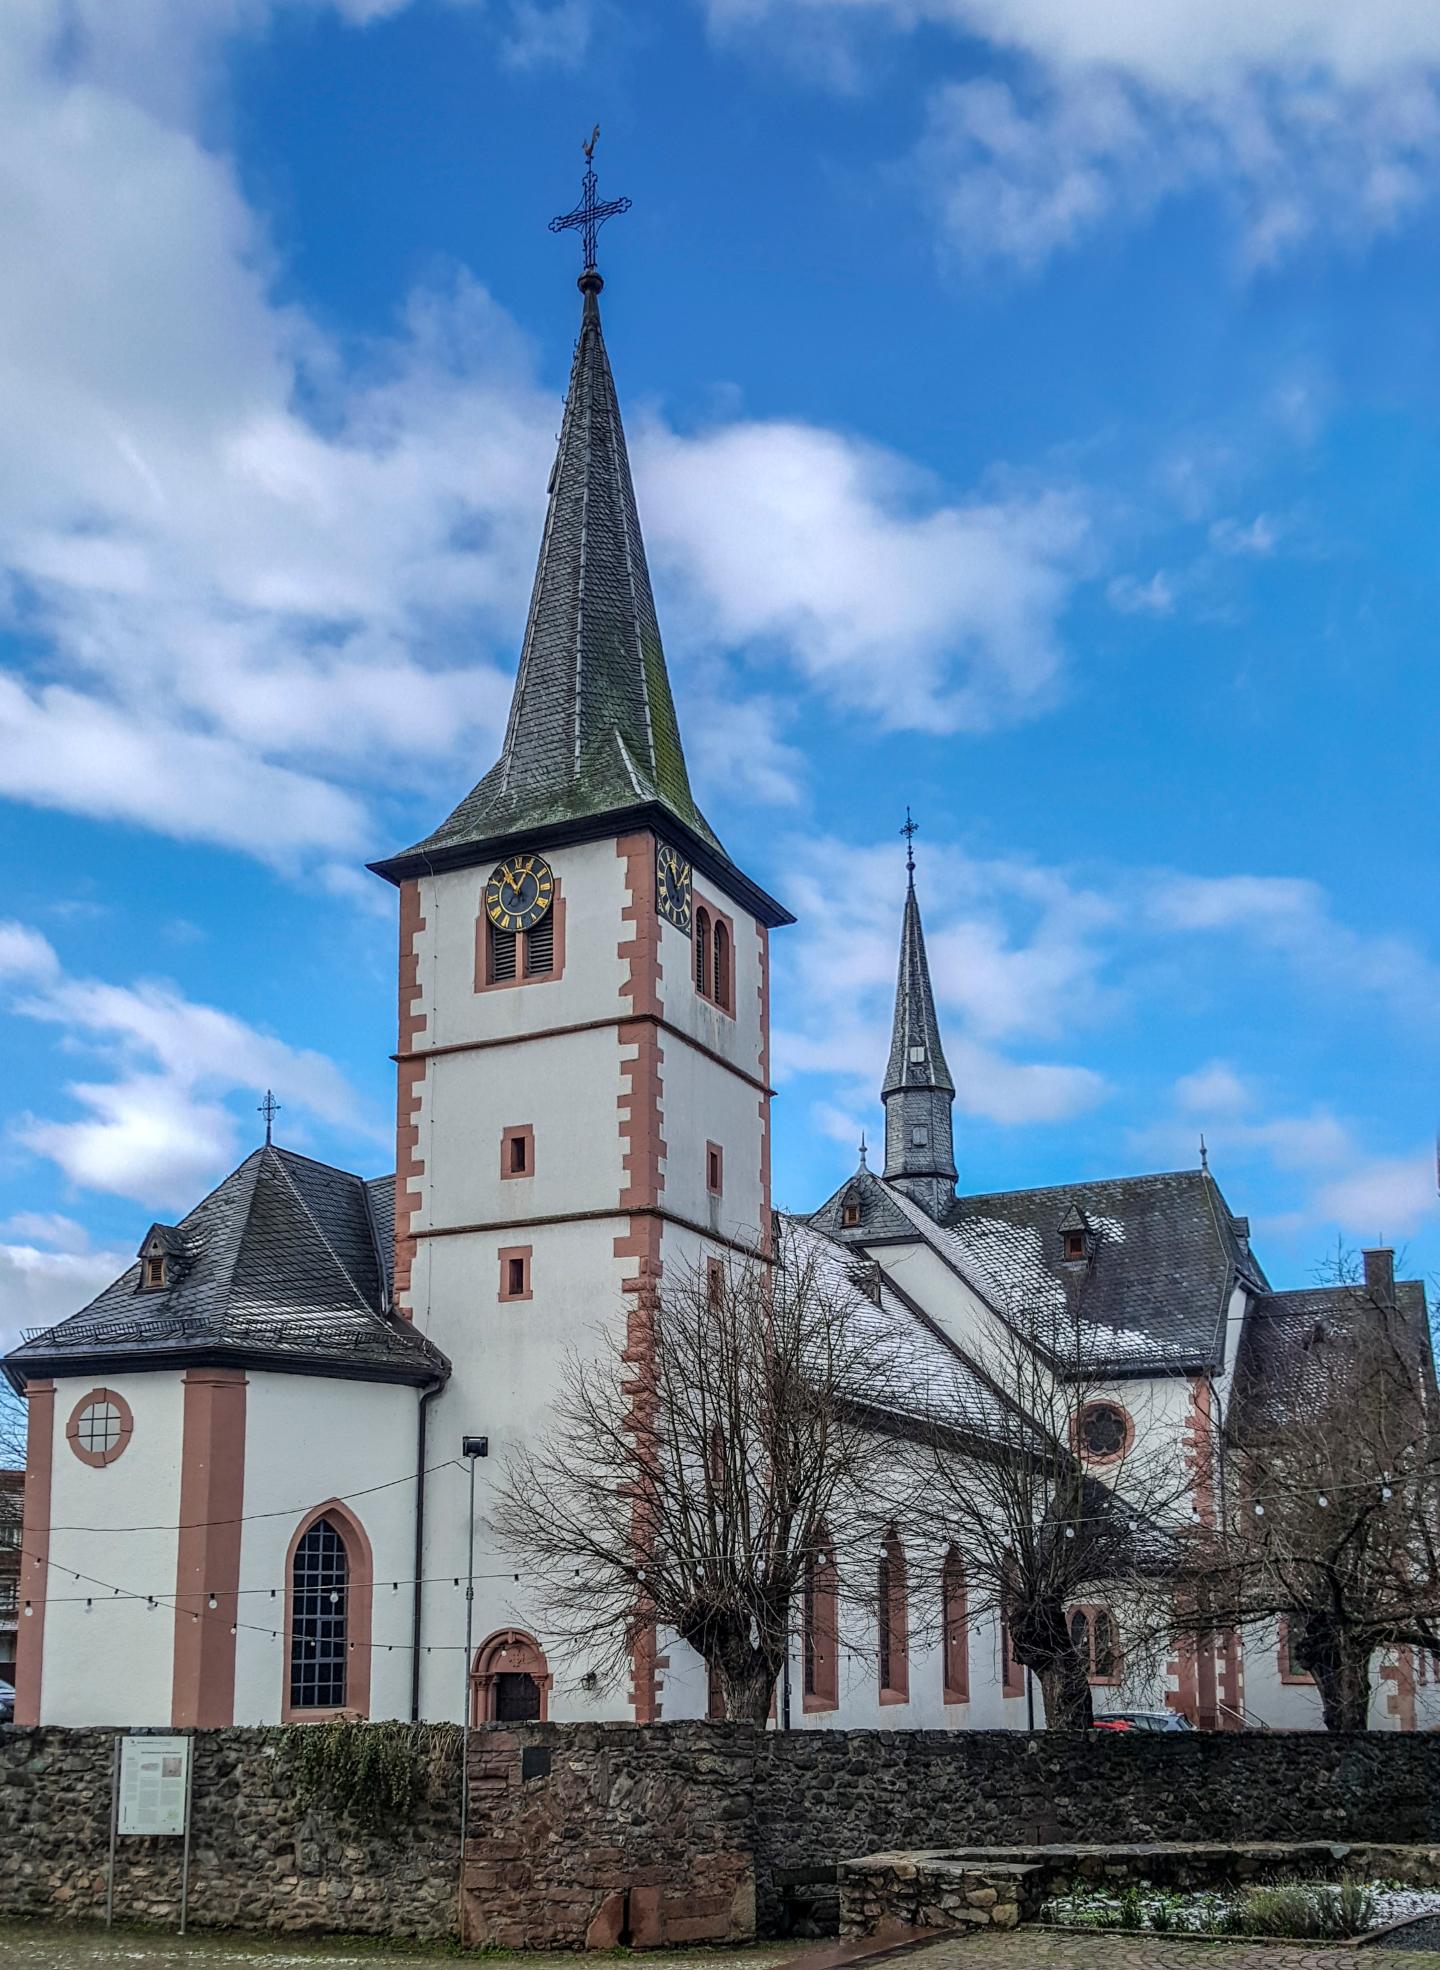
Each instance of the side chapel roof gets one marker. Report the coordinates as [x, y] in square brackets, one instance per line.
[285, 1264]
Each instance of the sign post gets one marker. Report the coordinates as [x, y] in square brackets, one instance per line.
[151, 1796]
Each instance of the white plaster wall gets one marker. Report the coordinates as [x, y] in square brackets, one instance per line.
[736, 1037]
[114, 1663]
[508, 1358]
[309, 1439]
[566, 1088]
[702, 1102]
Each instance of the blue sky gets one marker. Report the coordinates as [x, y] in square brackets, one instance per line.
[1034, 414]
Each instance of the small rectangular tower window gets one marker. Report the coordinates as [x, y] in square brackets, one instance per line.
[517, 1152]
[714, 1281]
[920, 1138]
[714, 1168]
[515, 1272]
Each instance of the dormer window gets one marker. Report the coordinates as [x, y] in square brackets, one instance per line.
[1077, 1237]
[917, 1056]
[850, 1216]
[159, 1258]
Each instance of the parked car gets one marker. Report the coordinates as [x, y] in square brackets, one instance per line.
[1143, 1720]
[7, 1703]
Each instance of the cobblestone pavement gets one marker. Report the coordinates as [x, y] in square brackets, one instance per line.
[1035, 1949]
[29, 1946]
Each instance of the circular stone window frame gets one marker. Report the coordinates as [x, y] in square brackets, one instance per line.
[98, 1459]
[1077, 1432]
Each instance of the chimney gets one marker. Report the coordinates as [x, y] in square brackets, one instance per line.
[1380, 1275]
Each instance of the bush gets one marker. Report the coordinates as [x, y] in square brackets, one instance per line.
[372, 1774]
[1306, 1911]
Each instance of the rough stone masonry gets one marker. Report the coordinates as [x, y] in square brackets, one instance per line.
[596, 1834]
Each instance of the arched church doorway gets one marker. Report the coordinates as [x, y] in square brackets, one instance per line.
[509, 1680]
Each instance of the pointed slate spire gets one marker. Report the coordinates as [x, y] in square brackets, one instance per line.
[918, 1092]
[592, 727]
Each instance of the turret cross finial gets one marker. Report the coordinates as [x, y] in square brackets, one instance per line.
[592, 212]
[269, 1108]
[910, 830]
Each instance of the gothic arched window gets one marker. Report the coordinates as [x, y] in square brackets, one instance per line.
[329, 1583]
[894, 1622]
[955, 1629]
[820, 1629]
[319, 1620]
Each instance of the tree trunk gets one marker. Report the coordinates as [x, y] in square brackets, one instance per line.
[1040, 1637]
[747, 1689]
[1066, 1685]
[1339, 1659]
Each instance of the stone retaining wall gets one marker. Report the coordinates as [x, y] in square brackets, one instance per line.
[674, 1832]
[256, 1860]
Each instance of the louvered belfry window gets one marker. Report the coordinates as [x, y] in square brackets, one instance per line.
[702, 953]
[502, 955]
[319, 1620]
[540, 947]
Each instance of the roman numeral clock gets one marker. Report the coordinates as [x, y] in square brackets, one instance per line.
[672, 886]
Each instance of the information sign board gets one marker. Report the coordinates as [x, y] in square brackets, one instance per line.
[154, 1784]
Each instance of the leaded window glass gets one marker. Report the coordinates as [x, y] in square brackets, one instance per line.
[320, 1585]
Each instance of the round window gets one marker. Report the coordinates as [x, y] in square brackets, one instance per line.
[1104, 1429]
[100, 1427]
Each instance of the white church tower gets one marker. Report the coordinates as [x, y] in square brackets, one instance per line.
[583, 1063]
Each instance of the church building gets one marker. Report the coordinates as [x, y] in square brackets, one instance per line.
[251, 1457]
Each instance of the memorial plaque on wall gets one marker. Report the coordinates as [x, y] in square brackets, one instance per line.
[154, 1775]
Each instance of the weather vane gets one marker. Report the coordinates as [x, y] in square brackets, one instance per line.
[910, 830]
[592, 212]
[269, 1108]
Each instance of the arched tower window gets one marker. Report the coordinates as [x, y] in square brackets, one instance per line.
[327, 1627]
[955, 1634]
[702, 953]
[820, 1629]
[722, 993]
[894, 1622]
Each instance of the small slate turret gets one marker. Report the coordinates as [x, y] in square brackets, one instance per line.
[918, 1092]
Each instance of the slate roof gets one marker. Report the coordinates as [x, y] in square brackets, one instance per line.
[285, 1265]
[1295, 1345]
[916, 1028]
[592, 728]
[925, 1375]
[1152, 1297]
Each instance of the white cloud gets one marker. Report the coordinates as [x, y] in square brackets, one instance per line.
[1382, 1199]
[556, 35]
[158, 1128]
[1259, 537]
[918, 612]
[38, 1288]
[1133, 597]
[1215, 1090]
[1308, 118]
[25, 954]
[51, 1228]
[1292, 917]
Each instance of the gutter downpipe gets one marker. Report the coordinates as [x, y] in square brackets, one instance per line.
[427, 1396]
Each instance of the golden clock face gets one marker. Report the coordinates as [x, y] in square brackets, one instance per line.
[519, 892]
[672, 886]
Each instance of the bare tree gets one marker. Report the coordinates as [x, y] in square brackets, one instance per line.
[1333, 1509]
[696, 1462]
[12, 1430]
[1059, 1510]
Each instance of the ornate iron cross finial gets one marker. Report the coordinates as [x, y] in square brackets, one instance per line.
[910, 830]
[591, 213]
[269, 1108]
